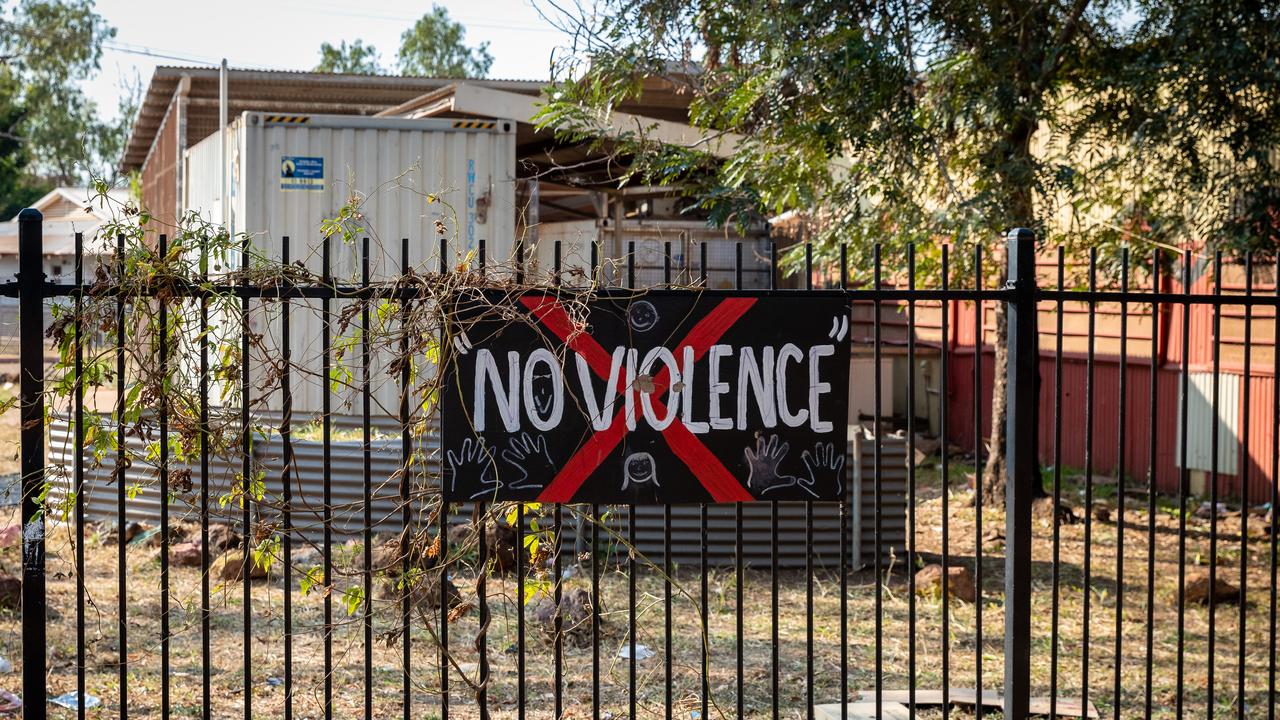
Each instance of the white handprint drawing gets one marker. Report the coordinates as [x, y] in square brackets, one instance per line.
[473, 464]
[529, 457]
[763, 465]
[824, 465]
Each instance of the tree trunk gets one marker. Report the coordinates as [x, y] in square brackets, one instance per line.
[1020, 213]
[995, 471]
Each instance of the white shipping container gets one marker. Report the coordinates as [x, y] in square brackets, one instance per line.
[417, 179]
[288, 173]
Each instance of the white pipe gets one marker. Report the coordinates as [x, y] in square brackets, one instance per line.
[222, 144]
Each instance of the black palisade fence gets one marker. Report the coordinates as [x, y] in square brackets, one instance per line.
[303, 562]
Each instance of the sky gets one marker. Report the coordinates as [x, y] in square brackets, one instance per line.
[286, 34]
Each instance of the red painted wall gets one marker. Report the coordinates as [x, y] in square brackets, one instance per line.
[1257, 421]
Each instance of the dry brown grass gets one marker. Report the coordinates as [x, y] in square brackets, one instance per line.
[10, 429]
[229, 691]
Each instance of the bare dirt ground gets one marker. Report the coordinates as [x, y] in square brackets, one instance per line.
[892, 645]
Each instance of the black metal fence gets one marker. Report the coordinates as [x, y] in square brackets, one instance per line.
[1055, 613]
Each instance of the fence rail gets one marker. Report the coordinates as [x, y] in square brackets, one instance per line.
[1091, 595]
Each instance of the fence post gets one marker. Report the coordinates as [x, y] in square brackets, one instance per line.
[1023, 470]
[31, 363]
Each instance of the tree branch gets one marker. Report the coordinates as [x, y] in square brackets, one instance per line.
[1066, 34]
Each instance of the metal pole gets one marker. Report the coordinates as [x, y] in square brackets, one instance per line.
[222, 143]
[534, 215]
[1023, 471]
[31, 348]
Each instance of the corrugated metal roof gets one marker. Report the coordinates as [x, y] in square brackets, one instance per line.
[660, 98]
[59, 230]
[81, 199]
[276, 90]
[651, 111]
[59, 239]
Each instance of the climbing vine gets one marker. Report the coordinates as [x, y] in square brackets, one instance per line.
[170, 316]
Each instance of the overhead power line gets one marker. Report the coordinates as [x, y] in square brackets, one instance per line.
[156, 53]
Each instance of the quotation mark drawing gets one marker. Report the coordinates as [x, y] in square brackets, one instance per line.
[839, 327]
[639, 468]
[529, 457]
[462, 343]
[473, 464]
[763, 465]
[824, 464]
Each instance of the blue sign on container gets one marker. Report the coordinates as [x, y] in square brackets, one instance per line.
[301, 172]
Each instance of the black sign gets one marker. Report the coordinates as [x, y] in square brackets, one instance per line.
[658, 397]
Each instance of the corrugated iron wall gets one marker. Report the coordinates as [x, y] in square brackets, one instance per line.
[1259, 425]
[1213, 403]
[347, 472]
[160, 172]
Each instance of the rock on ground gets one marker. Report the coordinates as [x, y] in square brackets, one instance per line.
[186, 554]
[230, 567]
[222, 537]
[131, 531]
[1042, 509]
[1199, 584]
[499, 540]
[959, 582]
[425, 594]
[575, 613]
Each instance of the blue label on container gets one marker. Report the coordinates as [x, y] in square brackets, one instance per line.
[300, 172]
[471, 203]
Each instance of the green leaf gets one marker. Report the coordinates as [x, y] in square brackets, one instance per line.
[311, 578]
[534, 588]
[266, 552]
[353, 599]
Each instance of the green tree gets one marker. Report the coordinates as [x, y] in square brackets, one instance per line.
[16, 189]
[930, 121]
[435, 47]
[49, 47]
[355, 59]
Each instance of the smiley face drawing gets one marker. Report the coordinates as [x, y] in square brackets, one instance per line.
[639, 468]
[642, 316]
[543, 387]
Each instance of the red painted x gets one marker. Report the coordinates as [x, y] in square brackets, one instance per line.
[706, 467]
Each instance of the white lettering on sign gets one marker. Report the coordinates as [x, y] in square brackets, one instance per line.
[673, 399]
[760, 377]
[818, 388]
[601, 417]
[508, 398]
[686, 395]
[718, 388]
[759, 390]
[790, 419]
[544, 389]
